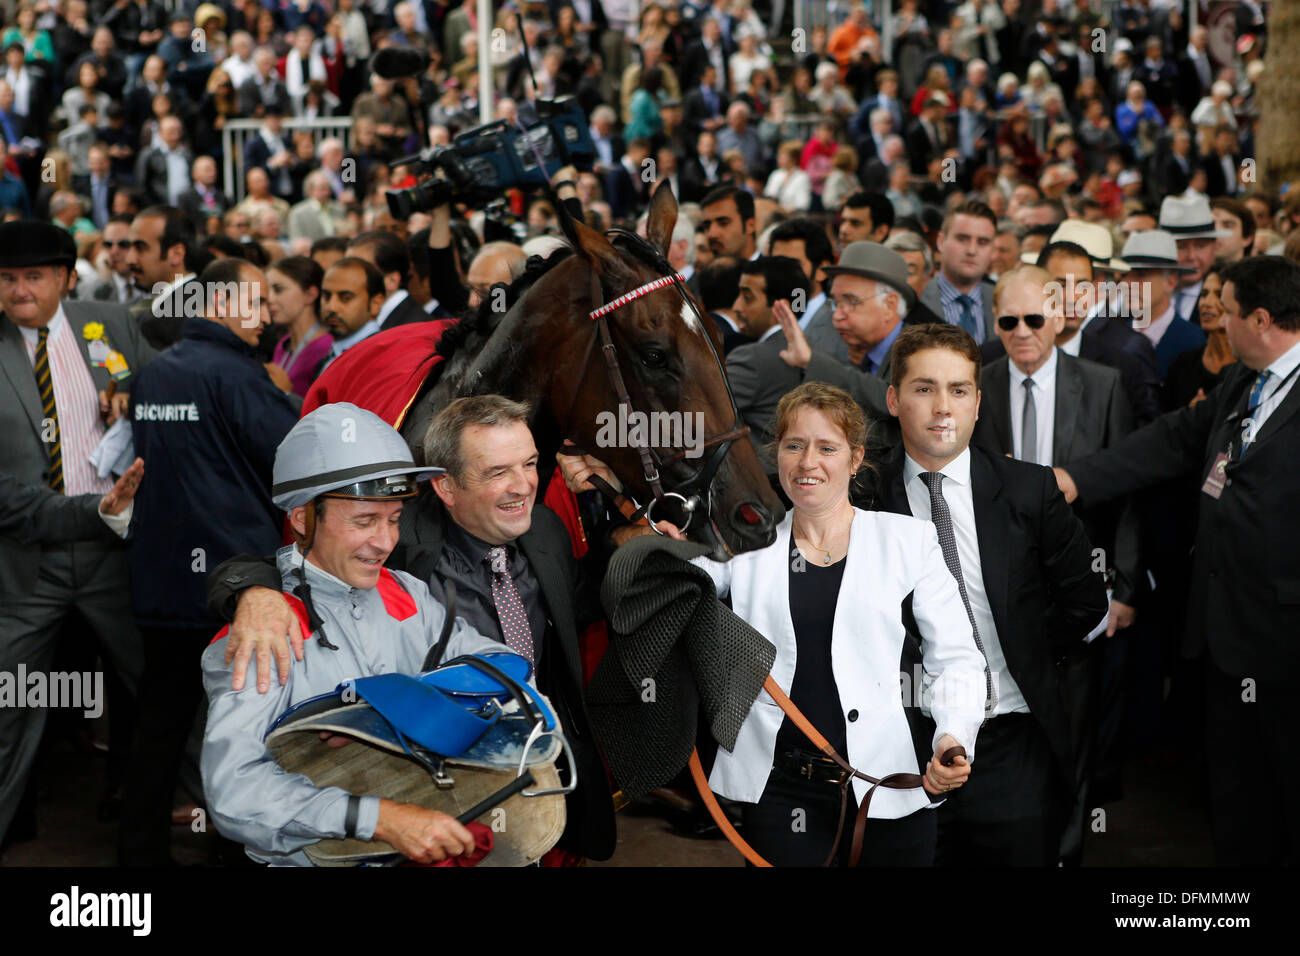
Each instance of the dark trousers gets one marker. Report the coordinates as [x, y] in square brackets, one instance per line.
[1254, 780]
[794, 825]
[170, 692]
[1011, 810]
[93, 579]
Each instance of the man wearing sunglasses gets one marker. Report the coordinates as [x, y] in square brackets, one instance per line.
[119, 287]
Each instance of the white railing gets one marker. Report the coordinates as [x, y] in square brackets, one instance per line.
[238, 131]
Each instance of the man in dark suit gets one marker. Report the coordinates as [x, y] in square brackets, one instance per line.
[931, 134]
[698, 174]
[486, 501]
[1042, 404]
[139, 102]
[1075, 250]
[264, 90]
[1243, 613]
[1025, 567]
[99, 186]
[204, 200]
[388, 254]
[717, 285]
[1222, 165]
[163, 171]
[56, 359]
[1195, 70]
[271, 149]
[711, 49]
[704, 107]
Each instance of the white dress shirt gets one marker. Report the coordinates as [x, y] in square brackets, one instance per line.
[80, 429]
[961, 506]
[1185, 299]
[1276, 387]
[1044, 404]
[1072, 347]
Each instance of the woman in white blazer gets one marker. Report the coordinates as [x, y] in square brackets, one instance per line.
[829, 593]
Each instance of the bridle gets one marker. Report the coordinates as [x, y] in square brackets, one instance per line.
[693, 496]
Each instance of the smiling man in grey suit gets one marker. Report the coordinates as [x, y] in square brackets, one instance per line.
[56, 360]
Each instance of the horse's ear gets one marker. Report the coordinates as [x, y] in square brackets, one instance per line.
[662, 217]
[588, 243]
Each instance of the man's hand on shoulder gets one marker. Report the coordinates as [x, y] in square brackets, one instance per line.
[264, 624]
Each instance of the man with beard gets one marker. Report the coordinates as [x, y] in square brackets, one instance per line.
[351, 295]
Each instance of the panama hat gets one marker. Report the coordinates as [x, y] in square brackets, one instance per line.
[1153, 249]
[1095, 239]
[1189, 218]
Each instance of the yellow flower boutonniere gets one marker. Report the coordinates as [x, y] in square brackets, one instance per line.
[102, 355]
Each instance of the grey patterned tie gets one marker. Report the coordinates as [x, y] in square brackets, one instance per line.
[1029, 426]
[515, 629]
[942, 519]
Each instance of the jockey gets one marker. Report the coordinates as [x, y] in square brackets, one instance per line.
[342, 474]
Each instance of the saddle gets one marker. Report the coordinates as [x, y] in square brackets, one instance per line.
[468, 738]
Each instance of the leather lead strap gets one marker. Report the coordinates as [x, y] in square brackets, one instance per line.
[894, 781]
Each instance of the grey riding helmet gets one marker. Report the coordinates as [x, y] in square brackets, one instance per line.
[342, 451]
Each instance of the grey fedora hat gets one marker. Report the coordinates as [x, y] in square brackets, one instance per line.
[1153, 249]
[871, 260]
[1189, 218]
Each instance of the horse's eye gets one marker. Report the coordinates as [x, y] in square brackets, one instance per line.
[654, 358]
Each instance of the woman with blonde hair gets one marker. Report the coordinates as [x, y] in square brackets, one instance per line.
[842, 182]
[789, 185]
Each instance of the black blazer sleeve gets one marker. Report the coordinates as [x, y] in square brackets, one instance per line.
[236, 575]
[1171, 446]
[1078, 594]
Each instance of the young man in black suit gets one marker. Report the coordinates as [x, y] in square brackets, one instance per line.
[1044, 405]
[1025, 567]
[1244, 611]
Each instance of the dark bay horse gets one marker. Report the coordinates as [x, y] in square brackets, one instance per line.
[544, 348]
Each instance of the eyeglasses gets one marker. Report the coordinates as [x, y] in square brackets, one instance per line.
[851, 303]
[1008, 323]
[119, 243]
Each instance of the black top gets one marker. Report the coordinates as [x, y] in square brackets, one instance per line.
[1187, 373]
[814, 592]
[463, 563]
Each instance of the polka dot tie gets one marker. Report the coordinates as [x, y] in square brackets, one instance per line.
[510, 607]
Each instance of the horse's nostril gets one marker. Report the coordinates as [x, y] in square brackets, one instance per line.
[750, 514]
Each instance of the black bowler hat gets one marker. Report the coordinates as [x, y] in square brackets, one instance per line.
[25, 242]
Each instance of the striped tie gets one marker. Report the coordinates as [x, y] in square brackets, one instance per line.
[45, 385]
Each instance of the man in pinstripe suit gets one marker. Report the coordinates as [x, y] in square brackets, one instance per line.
[56, 360]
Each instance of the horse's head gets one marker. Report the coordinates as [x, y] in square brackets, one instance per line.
[678, 405]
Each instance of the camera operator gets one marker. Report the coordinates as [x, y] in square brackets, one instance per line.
[494, 262]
